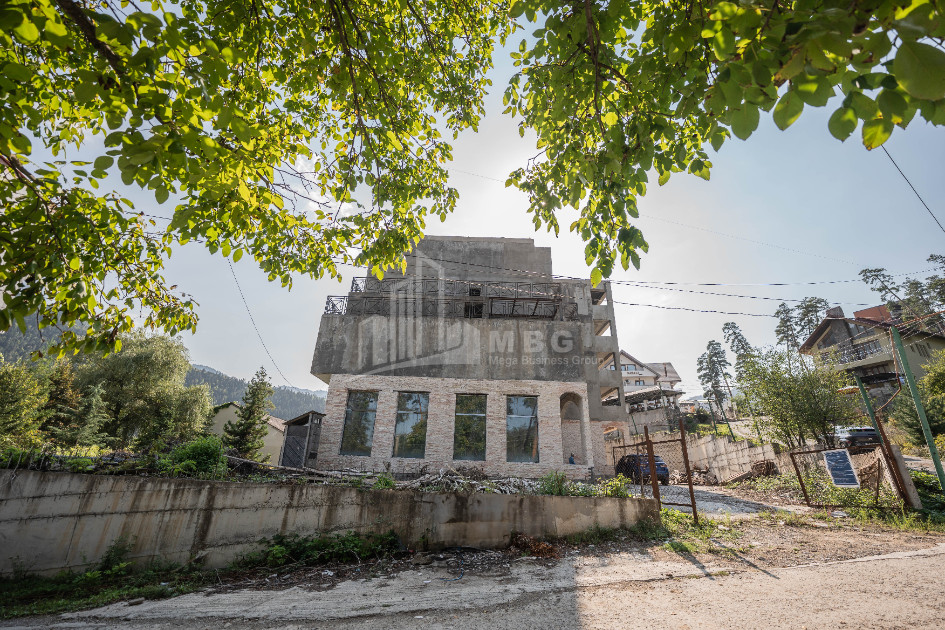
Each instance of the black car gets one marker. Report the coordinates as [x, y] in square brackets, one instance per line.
[637, 468]
[857, 436]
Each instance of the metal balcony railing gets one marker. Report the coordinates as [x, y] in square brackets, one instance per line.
[456, 288]
[433, 306]
[841, 354]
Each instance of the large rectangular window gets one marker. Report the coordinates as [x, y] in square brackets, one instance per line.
[522, 429]
[410, 432]
[469, 436]
[358, 434]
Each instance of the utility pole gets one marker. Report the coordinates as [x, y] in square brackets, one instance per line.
[869, 407]
[920, 410]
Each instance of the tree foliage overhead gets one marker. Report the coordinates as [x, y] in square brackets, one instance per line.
[309, 134]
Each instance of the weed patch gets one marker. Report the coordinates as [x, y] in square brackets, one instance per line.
[281, 550]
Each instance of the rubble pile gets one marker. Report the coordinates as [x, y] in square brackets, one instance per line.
[700, 477]
[468, 480]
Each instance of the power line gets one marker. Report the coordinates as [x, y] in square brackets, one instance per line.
[913, 189]
[256, 328]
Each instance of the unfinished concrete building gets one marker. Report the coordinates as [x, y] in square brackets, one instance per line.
[477, 355]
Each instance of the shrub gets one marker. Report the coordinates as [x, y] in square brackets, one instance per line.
[384, 482]
[310, 550]
[616, 487]
[554, 483]
[80, 464]
[201, 456]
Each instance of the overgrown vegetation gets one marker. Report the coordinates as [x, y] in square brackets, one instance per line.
[557, 484]
[282, 550]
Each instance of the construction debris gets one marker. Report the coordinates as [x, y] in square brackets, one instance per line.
[700, 477]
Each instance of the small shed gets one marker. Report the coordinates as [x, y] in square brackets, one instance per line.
[300, 446]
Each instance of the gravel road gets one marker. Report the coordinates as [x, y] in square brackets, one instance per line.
[604, 587]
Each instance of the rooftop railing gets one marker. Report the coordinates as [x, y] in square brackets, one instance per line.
[500, 308]
[456, 288]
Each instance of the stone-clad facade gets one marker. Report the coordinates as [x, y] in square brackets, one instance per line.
[470, 316]
[440, 424]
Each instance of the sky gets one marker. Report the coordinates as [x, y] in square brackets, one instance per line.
[788, 206]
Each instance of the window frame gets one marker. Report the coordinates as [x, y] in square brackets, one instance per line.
[369, 443]
[536, 458]
[485, 432]
[397, 424]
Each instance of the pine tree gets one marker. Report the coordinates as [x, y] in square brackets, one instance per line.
[246, 434]
[712, 366]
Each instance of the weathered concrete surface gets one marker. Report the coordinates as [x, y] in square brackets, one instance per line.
[54, 521]
[895, 590]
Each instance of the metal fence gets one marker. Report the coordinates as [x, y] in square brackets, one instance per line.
[635, 461]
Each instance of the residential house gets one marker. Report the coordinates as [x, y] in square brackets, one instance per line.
[477, 355]
[862, 345]
[275, 430]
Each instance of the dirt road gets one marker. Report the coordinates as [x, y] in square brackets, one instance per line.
[770, 575]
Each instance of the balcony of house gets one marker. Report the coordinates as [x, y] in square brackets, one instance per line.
[852, 355]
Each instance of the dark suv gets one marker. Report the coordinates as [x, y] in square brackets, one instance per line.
[637, 468]
[856, 436]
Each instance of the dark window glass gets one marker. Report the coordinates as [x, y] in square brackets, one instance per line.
[358, 433]
[469, 436]
[410, 431]
[522, 429]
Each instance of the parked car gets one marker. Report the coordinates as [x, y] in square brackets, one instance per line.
[637, 468]
[856, 437]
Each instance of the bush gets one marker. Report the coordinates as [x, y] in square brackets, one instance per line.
[554, 483]
[616, 487]
[384, 482]
[201, 456]
[310, 550]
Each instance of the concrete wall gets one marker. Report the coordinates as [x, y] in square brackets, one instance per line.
[463, 348]
[478, 258]
[441, 414]
[726, 458]
[55, 521]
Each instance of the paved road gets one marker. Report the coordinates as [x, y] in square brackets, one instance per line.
[898, 590]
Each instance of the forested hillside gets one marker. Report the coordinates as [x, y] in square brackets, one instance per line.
[288, 403]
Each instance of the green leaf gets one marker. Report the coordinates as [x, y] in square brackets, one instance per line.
[744, 121]
[813, 90]
[876, 132]
[723, 43]
[788, 110]
[394, 140]
[596, 276]
[610, 119]
[16, 71]
[75, 263]
[664, 177]
[920, 70]
[103, 162]
[842, 123]
[27, 31]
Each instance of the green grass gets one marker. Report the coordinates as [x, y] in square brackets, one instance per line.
[114, 579]
[34, 595]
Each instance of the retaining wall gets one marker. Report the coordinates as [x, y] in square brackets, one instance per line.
[726, 458]
[54, 521]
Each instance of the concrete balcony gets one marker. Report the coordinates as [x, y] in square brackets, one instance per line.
[605, 345]
[602, 311]
[609, 378]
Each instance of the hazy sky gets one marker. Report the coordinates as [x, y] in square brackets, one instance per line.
[803, 206]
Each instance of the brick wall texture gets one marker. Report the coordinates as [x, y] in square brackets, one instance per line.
[556, 439]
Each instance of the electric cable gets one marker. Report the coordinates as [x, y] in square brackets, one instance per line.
[921, 200]
[256, 328]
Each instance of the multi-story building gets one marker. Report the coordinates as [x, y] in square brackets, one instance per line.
[476, 355]
[862, 345]
[638, 375]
